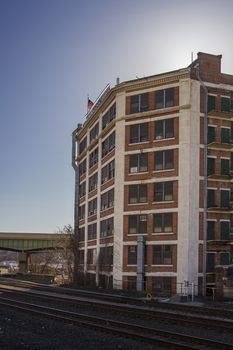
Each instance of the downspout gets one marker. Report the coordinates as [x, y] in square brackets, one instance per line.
[76, 205]
[197, 72]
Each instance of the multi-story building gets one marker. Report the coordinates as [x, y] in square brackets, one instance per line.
[153, 163]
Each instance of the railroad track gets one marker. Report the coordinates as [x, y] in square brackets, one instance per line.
[153, 335]
[147, 313]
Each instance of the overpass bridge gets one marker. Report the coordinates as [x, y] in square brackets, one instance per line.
[26, 243]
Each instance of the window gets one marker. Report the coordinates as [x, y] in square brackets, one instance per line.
[94, 132]
[131, 282]
[225, 200]
[162, 285]
[81, 234]
[224, 258]
[93, 157]
[225, 230]
[164, 129]
[82, 189]
[139, 103]
[82, 145]
[91, 231]
[138, 163]
[163, 191]
[225, 104]
[107, 199]
[82, 167]
[210, 230]
[106, 228]
[109, 116]
[162, 255]
[139, 133]
[225, 166]
[93, 182]
[210, 166]
[163, 223]
[211, 134]
[210, 198]
[164, 160]
[132, 255]
[92, 207]
[81, 212]
[137, 224]
[225, 135]
[106, 256]
[108, 144]
[108, 172]
[211, 103]
[137, 194]
[164, 98]
[90, 256]
[210, 262]
[81, 257]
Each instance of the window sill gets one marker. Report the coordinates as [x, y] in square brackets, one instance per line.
[138, 143]
[135, 234]
[162, 202]
[162, 170]
[162, 233]
[139, 173]
[164, 139]
[161, 265]
[138, 203]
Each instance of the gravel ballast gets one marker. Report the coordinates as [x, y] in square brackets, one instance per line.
[19, 330]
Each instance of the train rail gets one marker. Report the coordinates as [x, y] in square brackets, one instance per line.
[174, 315]
[153, 335]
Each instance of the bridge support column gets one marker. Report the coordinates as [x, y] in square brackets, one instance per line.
[23, 262]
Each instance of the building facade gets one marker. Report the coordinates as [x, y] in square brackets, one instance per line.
[153, 191]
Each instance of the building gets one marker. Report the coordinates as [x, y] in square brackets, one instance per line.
[153, 195]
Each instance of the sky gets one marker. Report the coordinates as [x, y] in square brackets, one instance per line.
[53, 53]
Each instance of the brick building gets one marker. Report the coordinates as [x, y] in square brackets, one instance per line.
[153, 167]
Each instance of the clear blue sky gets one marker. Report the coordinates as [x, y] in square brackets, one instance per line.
[54, 53]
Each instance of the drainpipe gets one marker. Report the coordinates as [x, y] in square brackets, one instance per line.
[197, 72]
[140, 263]
[76, 203]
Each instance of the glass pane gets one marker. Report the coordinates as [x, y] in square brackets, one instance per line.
[169, 159]
[144, 102]
[210, 230]
[225, 164]
[168, 191]
[211, 134]
[159, 160]
[143, 132]
[225, 104]
[225, 135]
[133, 163]
[210, 264]
[225, 230]
[159, 129]
[133, 194]
[169, 97]
[132, 224]
[142, 193]
[159, 98]
[210, 166]
[211, 103]
[158, 192]
[211, 198]
[224, 199]
[169, 128]
[224, 258]
[168, 227]
[134, 133]
[157, 223]
[143, 162]
[134, 104]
